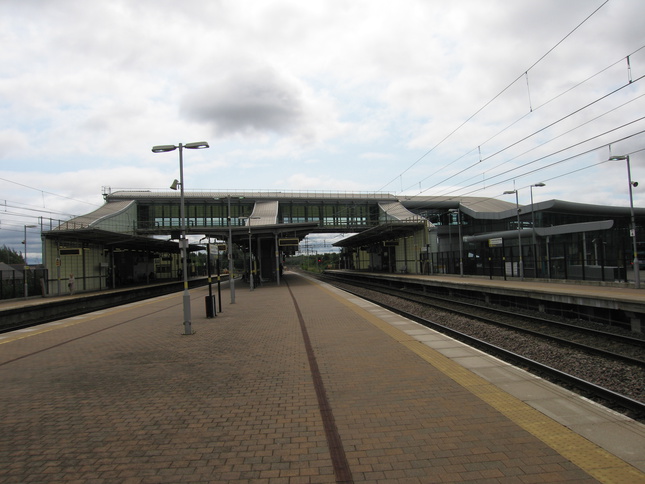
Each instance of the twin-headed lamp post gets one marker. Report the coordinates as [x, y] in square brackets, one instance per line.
[183, 241]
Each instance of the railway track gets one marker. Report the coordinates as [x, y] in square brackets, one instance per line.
[603, 365]
[622, 347]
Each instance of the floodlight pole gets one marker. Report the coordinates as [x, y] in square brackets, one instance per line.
[24, 272]
[251, 275]
[535, 257]
[461, 242]
[251, 282]
[519, 234]
[231, 279]
[183, 241]
[637, 275]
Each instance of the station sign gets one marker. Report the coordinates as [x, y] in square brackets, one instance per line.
[496, 242]
[288, 242]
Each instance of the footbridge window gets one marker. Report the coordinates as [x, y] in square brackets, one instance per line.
[198, 214]
[331, 215]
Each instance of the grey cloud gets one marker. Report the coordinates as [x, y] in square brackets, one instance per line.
[256, 101]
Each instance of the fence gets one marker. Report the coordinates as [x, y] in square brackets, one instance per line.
[12, 283]
[500, 262]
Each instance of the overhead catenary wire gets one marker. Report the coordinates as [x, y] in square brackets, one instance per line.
[586, 167]
[562, 134]
[567, 116]
[543, 157]
[552, 153]
[49, 193]
[31, 208]
[458, 195]
[569, 158]
[561, 119]
[451, 133]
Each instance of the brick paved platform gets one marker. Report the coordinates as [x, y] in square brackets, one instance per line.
[293, 383]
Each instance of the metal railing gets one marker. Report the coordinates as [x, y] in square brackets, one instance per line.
[123, 193]
[12, 283]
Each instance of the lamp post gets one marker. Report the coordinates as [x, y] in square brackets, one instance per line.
[461, 242]
[183, 241]
[251, 282]
[535, 257]
[231, 279]
[637, 276]
[24, 272]
[519, 235]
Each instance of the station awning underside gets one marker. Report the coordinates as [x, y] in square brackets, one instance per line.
[381, 233]
[115, 240]
[299, 230]
[544, 231]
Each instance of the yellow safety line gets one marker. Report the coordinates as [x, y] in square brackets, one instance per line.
[81, 318]
[594, 460]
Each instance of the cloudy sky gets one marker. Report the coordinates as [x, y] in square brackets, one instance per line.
[467, 97]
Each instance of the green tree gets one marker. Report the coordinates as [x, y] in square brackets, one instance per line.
[10, 256]
[315, 262]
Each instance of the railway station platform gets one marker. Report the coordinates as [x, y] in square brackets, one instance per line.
[608, 303]
[297, 383]
[553, 287]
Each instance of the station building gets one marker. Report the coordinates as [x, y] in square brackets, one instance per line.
[133, 238]
[553, 239]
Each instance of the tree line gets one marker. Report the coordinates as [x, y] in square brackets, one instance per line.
[10, 256]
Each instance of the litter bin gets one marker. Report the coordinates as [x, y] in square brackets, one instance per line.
[210, 306]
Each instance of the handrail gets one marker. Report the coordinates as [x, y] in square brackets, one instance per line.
[331, 194]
